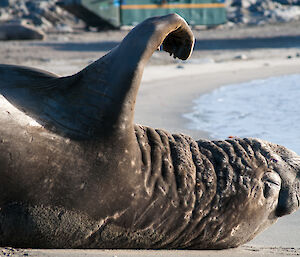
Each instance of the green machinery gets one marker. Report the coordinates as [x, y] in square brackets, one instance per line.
[116, 13]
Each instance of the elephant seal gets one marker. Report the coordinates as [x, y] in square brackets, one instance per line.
[77, 173]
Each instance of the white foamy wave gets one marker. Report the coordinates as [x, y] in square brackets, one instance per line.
[268, 109]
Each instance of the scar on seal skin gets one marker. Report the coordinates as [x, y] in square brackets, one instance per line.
[75, 172]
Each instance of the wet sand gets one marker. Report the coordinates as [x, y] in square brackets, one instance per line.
[167, 92]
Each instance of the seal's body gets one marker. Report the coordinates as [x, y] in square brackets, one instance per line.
[87, 177]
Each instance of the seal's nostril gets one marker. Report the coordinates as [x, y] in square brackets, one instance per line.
[281, 211]
[283, 203]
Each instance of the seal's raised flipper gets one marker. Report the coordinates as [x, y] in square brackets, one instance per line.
[42, 95]
[100, 99]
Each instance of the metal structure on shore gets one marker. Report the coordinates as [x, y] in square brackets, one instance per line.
[117, 13]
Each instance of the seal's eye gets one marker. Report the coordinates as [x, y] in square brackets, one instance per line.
[272, 184]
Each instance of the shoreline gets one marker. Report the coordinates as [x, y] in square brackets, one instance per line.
[168, 92]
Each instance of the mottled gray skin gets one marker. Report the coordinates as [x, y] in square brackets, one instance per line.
[90, 178]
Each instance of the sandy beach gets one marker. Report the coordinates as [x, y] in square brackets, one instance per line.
[228, 56]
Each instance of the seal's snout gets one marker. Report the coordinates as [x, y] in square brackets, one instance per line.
[289, 196]
[286, 164]
[288, 202]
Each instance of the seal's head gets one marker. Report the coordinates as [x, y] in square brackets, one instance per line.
[257, 182]
[277, 191]
[286, 169]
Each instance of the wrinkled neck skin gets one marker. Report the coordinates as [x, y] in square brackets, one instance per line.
[227, 191]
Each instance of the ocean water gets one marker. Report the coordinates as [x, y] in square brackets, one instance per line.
[268, 109]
